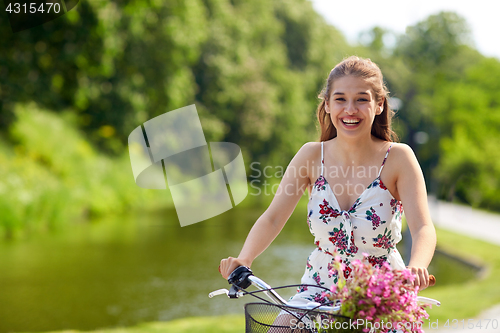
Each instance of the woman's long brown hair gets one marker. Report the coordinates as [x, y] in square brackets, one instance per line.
[368, 70]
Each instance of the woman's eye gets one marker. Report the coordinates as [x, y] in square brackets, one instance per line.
[340, 99]
[363, 100]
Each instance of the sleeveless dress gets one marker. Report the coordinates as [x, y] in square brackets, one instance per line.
[371, 225]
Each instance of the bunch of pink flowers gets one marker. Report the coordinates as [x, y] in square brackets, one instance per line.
[383, 297]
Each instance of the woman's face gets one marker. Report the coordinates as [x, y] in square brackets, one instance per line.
[352, 106]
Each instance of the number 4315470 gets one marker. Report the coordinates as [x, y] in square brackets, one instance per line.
[32, 8]
[471, 323]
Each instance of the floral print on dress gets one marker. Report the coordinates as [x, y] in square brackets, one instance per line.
[353, 249]
[371, 215]
[382, 186]
[347, 268]
[377, 182]
[397, 207]
[320, 183]
[393, 205]
[340, 239]
[354, 206]
[317, 279]
[347, 272]
[327, 212]
[309, 222]
[319, 297]
[377, 261]
[302, 289]
[384, 241]
[333, 274]
[308, 265]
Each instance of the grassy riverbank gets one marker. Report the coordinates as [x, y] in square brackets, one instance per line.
[467, 300]
[216, 324]
[52, 176]
[459, 301]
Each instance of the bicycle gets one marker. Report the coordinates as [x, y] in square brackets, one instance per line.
[280, 316]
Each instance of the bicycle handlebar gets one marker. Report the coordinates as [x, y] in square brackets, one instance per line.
[242, 277]
[271, 293]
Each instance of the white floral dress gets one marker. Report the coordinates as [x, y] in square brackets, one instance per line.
[371, 225]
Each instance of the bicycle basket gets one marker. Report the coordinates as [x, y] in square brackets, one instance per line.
[273, 318]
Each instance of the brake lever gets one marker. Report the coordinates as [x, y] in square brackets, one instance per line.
[218, 292]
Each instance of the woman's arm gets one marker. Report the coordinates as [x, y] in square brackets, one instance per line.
[413, 195]
[268, 226]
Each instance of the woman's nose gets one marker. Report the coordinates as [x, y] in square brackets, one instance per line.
[351, 108]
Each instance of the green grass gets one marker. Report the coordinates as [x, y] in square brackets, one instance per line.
[459, 301]
[218, 324]
[467, 300]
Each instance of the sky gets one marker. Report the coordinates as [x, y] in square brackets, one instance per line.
[355, 16]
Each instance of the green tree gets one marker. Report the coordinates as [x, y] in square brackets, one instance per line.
[468, 112]
[434, 52]
[42, 64]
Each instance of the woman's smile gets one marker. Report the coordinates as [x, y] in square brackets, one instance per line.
[350, 122]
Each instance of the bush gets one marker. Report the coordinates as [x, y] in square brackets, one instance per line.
[52, 175]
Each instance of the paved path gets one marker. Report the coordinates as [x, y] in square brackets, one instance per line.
[466, 220]
[476, 224]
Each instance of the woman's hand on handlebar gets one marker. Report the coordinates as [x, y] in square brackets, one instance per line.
[228, 265]
[422, 278]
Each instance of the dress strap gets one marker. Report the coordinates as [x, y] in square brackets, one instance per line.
[322, 161]
[385, 158]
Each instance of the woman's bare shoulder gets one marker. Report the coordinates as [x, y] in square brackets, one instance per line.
[401, 151]
[308, 156]
[403, 156]
[310, 150]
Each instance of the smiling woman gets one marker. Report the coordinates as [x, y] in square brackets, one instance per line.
[348, 75]
[354, 215]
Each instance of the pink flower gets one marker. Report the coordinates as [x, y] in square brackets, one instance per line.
[342, 266]
[376, 292]
[372, 311]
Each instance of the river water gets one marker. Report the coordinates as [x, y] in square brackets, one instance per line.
[124, 270]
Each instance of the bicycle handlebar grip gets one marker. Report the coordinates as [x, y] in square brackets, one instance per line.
[239, 277]
[432, 280]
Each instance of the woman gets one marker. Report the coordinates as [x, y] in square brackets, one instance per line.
[358, 181]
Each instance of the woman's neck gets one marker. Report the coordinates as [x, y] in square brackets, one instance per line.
[355, 151]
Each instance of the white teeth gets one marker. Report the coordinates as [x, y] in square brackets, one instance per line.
[350, 121]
